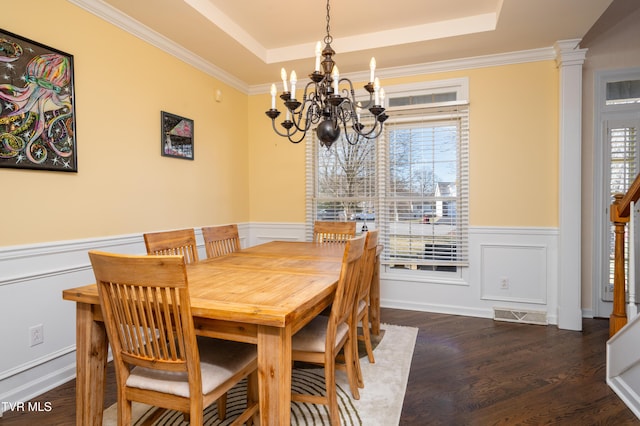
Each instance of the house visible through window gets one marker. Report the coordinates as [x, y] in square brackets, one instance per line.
[411, 183]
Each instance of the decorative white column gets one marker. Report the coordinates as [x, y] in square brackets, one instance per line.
[569, 59]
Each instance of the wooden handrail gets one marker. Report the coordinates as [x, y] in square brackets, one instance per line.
[633, 194]
[620, 213]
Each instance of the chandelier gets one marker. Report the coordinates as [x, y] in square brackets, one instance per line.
[328, 102]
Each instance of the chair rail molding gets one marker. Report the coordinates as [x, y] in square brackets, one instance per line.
[34, 277]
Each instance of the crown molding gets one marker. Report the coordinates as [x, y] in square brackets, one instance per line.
[138, 29]
[524, 56]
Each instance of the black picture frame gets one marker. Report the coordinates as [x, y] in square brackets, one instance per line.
[176, 136]
[37, 106]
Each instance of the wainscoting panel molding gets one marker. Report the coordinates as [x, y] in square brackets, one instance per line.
[515, 273]
[33, 277]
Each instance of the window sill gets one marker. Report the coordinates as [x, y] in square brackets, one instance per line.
[427, 277]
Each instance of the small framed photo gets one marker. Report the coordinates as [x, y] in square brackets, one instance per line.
[176, 136]
[37, 106]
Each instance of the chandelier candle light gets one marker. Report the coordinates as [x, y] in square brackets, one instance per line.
[324, 105]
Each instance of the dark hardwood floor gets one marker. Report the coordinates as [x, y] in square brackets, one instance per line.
[469, 371]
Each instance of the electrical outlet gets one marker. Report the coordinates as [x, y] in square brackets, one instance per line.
[504, 283]
[36, 335]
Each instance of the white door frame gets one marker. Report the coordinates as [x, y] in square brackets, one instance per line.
[603, 115]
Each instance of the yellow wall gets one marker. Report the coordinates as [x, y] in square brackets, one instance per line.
[513, 150]
[277, 169]
[123, 184]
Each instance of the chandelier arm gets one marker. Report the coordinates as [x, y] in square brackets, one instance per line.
[368, 104]
[370, 134]
[351, 95]
[275, 129]
[309, 117]
[374, 132]
[309, 95]
[289, 133]
[352, 137]
[302, 136]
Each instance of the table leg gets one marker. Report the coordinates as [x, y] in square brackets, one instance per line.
[91, 366]
[274, 375]
[374, 299]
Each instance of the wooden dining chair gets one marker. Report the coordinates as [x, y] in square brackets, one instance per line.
[320, 341]
[221, 240]
[158, 358]
[361, 305]
[333, 232]
[178, 242]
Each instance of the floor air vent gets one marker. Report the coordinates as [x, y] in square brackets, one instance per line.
[525, 317]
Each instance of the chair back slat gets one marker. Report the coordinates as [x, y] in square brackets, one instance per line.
[368, 265]
[333, 232]
[146, 309]
[348, 282]
[180, 242]
[145, 305]
[221, 240]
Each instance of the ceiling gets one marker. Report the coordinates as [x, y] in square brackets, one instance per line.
[251, 40]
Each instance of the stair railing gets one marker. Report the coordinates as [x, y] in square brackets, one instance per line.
[620, 213]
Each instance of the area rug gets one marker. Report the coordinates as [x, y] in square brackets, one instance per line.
[380, 401]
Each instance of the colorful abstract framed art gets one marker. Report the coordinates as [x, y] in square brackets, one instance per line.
[37, 106]
[176, 136]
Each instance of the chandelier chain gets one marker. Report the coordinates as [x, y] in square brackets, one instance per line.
[328, 39]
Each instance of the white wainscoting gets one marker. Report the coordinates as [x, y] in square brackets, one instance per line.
[526, 257]
[34, 276]
[31, 284]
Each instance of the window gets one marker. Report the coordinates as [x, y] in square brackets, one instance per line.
[622, 141]
[424, 204]
[616, 121]
[412, 183]
[623, 92]
[341, 182]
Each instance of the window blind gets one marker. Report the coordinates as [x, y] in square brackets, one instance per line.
[411, 184]
[341, 183]
[424, 206]
[623, 144]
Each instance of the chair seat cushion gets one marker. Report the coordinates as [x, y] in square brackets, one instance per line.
[313, 336]
[219, 360]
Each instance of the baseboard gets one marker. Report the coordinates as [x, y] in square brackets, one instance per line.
[436, 309]
[35, 387]
[626, 393]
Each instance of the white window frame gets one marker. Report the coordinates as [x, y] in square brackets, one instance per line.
[461, 87]
[458, 85]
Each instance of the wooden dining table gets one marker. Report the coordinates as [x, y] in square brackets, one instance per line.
[261, 295]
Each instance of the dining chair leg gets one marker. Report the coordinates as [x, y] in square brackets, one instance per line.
[196, 417]
[366, 332]
[351, 361]
[222, 407]
[332, 393]
[358, 368]
[124, 410]
[253, 397]
[356, 359]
